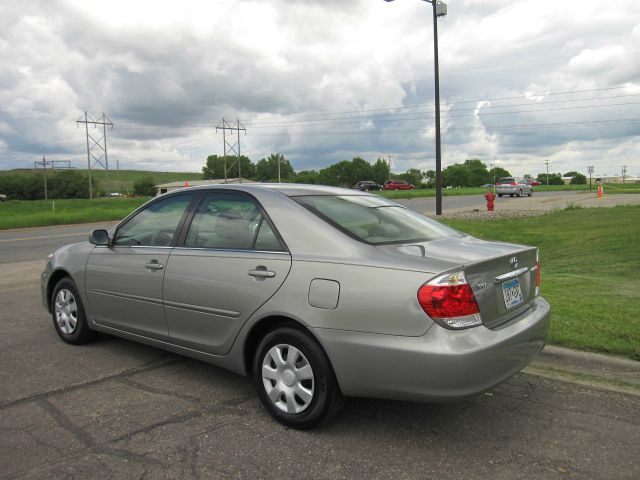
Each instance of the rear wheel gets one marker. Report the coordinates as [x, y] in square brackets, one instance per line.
[67, 311]
[294, 379]
[519, 193]
[500, 195]
[530, 192]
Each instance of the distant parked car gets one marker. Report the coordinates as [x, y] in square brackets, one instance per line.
[397, 185]
[3, 197]
[533, 183]
[366, 185]
[487, 185]
[513, 186]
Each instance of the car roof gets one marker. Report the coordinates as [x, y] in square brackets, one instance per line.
[288, 189]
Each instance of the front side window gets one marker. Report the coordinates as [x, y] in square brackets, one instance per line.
[375, 220]
[156, 225]
[230, 221]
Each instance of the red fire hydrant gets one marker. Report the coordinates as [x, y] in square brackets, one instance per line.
[490, 196]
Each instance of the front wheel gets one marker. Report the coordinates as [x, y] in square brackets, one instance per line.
[69, 317]
[294, 379]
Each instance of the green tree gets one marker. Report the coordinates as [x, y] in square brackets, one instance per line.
[70, 184]
[578, 179]
[214, 167]
[145, 187]
[413, 176]
[379, 171]
[267, 168]
[497, 173]
[346, 173]
[554, 179]
[308, 176]
[571, 174]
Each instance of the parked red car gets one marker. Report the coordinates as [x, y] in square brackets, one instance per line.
[397, 185]
[533, 183]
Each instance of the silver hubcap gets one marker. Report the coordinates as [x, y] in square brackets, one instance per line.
[66, 310]
[288, 378]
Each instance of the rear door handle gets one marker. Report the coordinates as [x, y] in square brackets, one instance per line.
[154, 265]
[262, 272]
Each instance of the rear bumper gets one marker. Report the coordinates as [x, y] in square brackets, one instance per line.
[438, 366]
[508, 190]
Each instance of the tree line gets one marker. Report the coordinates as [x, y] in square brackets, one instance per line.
[60, 184]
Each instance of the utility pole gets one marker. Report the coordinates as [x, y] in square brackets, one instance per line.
[624, 173]
[233, 148]
[547, 163]
[43, 163]
[590, 170]
[100, 144]
[389, 166]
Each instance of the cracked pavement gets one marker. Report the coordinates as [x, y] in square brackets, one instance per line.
[116, 409]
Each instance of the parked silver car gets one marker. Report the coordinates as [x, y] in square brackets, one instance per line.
[513, 186]
[316, 292]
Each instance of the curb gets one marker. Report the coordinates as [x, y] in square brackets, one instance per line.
[608, 372]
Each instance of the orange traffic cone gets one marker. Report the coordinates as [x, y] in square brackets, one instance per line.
[600, 191]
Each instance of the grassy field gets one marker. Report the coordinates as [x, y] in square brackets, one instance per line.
[590, 272]
[38, 213]
[123, 181]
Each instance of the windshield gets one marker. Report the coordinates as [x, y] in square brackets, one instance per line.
[374, 219]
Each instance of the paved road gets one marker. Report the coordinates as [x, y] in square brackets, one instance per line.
[115, 409]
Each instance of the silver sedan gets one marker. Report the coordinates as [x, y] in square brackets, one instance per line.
[315, 292]
[513, 186]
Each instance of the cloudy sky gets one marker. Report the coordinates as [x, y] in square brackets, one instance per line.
[522, 81]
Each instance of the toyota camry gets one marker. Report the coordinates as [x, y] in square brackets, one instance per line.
[317, 293]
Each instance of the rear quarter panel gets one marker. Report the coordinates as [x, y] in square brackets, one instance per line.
[371, 299]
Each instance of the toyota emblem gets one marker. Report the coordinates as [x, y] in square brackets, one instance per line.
[514, 262]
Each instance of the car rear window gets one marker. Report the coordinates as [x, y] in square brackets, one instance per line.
[375, 220]
[507, 180]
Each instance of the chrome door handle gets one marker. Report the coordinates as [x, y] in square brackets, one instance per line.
[262, 273]
[154, 265]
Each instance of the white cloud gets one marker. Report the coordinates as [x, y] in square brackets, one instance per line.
[322, 81]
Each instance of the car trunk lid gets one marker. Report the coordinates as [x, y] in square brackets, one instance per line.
[502, 276]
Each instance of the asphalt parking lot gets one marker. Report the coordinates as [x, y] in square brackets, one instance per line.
[116, 409]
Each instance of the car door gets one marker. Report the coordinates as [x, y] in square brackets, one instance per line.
[231, 262]
[124, 280]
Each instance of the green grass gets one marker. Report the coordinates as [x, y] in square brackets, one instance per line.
[123, 181]
[590, 261]
[431, 192]
[39, 213]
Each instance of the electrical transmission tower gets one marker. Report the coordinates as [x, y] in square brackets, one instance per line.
[97, 148]
[43, 163]
[232, 148]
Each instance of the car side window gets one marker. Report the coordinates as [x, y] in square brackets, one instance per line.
[156, 225]
[230, 221]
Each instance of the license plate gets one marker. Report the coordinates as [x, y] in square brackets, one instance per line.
[512, 293]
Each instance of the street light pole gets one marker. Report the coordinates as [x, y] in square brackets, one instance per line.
[439, 10]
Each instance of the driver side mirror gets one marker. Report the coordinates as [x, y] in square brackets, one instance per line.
[99, 237]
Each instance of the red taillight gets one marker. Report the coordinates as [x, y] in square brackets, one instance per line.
[514, 184]
[449, 300]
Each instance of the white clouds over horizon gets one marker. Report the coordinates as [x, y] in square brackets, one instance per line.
[322, 81]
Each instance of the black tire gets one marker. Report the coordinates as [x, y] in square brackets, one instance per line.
[530, 192]
[511, 195]
[80, 333]
[500, 195]
[326, 398]
[519, 193]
